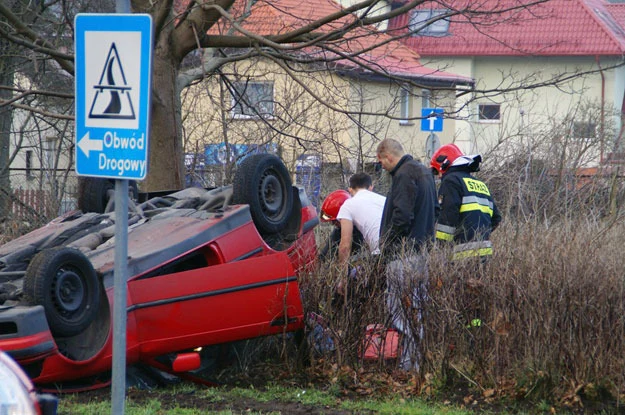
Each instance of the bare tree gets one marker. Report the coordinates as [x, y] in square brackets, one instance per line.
[216, 28]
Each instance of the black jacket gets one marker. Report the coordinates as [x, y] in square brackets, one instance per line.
[468, 212]
[411, 207]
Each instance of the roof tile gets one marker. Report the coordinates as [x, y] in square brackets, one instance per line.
[553, 28]
[356, 47]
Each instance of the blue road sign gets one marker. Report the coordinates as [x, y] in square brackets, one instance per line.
[432, 119]
[113, 69]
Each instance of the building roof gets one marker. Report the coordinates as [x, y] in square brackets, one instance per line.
[360, 51]
[552, 28]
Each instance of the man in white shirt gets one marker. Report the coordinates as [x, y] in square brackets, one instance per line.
[364, 211]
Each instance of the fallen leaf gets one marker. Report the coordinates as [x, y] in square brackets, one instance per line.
[489, 393]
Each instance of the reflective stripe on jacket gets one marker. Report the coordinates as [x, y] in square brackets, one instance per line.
[472, 249]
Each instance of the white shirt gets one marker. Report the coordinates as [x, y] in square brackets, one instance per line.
[365, 209]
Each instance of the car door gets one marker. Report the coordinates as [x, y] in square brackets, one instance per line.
[215, 304]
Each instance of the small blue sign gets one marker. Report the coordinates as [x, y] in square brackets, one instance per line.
[432, 119]
[113, 69]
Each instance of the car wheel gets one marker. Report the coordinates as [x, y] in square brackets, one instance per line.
[263, 182]
[64, 282]
[95, 193]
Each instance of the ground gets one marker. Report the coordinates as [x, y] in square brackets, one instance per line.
[191, 400]
[460, 397]
[367, 382]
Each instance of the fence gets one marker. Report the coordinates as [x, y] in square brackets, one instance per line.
[36, 205]
[29, 202]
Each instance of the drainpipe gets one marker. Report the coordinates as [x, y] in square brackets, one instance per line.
[602, 122]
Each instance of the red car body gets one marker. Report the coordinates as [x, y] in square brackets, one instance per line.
[193, 280]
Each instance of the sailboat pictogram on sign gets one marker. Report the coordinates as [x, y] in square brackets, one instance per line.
[112, 99]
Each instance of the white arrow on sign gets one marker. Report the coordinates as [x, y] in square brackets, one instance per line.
[86, 144]
[432, 118]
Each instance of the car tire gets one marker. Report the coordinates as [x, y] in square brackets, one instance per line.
[95, 193]
[64, 282]
[263, 182]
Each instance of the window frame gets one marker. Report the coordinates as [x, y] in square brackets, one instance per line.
[49, 147]
[488, 120]
[28, 164]
[405, 105]
[586, 127]
[426, 98]
[438, 28]
[249, 105]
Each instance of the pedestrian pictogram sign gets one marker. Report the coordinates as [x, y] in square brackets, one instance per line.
[113, 82]
[432, 119]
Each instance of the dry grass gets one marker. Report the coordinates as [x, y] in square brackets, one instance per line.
[551, 301]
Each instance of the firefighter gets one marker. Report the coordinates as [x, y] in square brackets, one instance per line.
[468, 213]
[468, 216]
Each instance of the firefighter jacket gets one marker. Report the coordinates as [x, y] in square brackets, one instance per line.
[468, 213]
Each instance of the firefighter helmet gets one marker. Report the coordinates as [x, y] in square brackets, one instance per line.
[444, 156]
[332, 203]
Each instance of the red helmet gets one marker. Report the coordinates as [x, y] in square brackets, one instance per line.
[332, 203]
[444, 156]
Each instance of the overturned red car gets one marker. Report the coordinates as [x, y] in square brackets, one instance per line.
[205, 267]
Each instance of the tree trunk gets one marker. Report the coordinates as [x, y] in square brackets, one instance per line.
[6, 120]
[166, 158]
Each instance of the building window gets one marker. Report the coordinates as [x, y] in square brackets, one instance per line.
[422, 23]
[252, 100]
[489, 112]
[29, 165]
[49, 153]
[426, 94]
[405, 105]
[584, 130]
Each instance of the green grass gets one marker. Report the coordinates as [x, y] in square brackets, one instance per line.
[275, 395]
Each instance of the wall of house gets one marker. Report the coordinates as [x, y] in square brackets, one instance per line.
[385, 98]
[41, 165]
[342, 130]
[299, 123]
[527, 113]
[39, 153]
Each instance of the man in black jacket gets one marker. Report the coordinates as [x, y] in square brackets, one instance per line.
[406, 233]
[411, 205]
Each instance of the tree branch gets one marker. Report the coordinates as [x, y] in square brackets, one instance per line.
[37, 43]
[37, 110]
[186, 78]
[25, 92]
[198, 20]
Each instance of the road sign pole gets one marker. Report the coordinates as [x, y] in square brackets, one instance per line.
[122, 6]
[118, 394]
